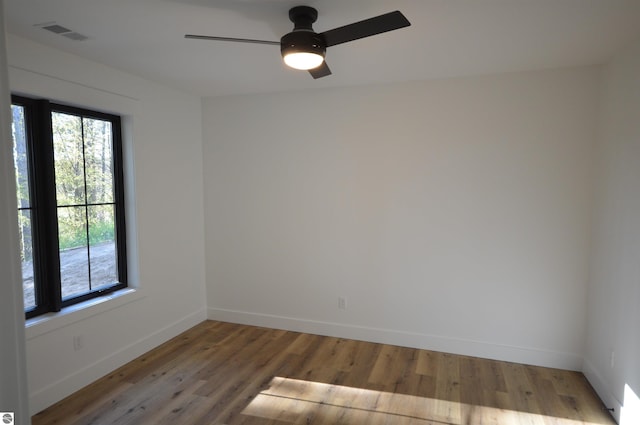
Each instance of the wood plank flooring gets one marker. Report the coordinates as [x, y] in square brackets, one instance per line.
[222, 373]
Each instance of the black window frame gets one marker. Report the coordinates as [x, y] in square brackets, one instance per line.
[44, 220]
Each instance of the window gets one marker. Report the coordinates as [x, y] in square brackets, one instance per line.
[70, 193]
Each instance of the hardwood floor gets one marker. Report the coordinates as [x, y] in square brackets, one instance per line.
[223, 373]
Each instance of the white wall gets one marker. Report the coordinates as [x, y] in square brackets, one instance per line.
[13, 384]
[614, 290]
[163, 148]
[452, 215]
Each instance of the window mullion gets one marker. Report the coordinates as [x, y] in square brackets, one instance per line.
[47, 214]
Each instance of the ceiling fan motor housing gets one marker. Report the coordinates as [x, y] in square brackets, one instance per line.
[303, 38]
[302, 41]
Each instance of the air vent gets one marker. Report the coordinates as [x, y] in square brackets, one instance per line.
[55, 28]
[63, 31]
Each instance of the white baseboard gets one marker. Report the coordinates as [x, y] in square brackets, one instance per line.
[45, 397]
[508, 353]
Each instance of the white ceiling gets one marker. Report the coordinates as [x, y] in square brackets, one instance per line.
[448, 38]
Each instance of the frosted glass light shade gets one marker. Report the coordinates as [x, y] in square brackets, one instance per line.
[303, 60]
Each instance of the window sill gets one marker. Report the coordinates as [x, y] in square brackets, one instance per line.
[50, 322]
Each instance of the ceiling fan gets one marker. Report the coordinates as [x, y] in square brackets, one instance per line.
[305, 49]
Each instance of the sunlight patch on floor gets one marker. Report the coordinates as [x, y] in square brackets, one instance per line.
[289, 400]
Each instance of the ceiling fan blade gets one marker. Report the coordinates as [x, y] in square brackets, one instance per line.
[237, 40]
[321, 71]
[372, 26]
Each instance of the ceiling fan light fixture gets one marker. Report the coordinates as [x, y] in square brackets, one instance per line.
[303, 49]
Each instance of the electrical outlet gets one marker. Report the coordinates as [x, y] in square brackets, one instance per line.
[342, 303]
[78, 342]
